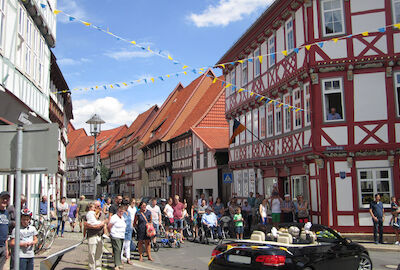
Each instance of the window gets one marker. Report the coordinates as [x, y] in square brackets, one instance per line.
[198, 158]
[396, 11]
[278, 119]
[28, 47]
[245, 73]
[332, 17]
[297, 104]
[271, 51]
[257, 64]
[248, 127]
[255, 125]
[270, 120]
[397, 87]
[263, 129]
[205, 157]
[20, 38]
[374, 181]
[287, 113]
[233, 81]
[2, 20]
[289, 36]
[300, 186]
[307, 105]
[333, 99]
[242, 135]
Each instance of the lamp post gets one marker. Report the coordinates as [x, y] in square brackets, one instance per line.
[95, 128]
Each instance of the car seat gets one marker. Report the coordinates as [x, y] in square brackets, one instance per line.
[285, 238]
[257, 236]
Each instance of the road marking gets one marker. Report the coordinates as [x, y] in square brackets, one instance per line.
[390, 266]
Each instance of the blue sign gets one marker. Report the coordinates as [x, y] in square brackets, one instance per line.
[228, 178]
[342, 175]
[169, 179]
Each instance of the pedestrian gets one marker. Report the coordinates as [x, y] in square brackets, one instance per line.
[162, 206]
[82, 211]
[263, 212]
[72, 214]
[143, 216]
[102, 201]
[202, 197]
[114, 206]
[28, 240]
[378, 217]
[4, 222]
[62, 215]
[397, 227]
[53, 214]
[247, 215]
[232, 207]
[194, 215]
[94, 227]
[275, 203]
[251, 200]
[210, 222]
[178, 214]
[218, 207]
[106, 207]
[155, 216]
[210, 201]
[287, 208]
[393, 209]
[302, 206]
[117, 227]
[169, 213]
[43, 208]
[126, 247]
[238, 220]
[12, 214]
[132, 209]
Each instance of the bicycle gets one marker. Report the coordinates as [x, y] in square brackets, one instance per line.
[188, 232]
[46, 235]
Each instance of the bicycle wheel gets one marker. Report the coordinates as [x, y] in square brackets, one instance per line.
[50, 236]
[190, 234]
[155, 246]
[39, 244]
[162, 231]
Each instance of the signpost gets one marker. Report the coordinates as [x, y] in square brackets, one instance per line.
[27, 149]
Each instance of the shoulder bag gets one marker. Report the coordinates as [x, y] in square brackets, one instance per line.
[150, 231]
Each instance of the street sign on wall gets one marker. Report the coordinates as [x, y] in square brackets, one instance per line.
[39, 148]
[228, 178]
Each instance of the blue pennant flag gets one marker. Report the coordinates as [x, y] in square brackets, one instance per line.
[223, 84]
[177, 74]
[321, 44]
[208, 75]
[267, 100]
[145, 80]
[132, 83]
[71, 19]
[161, 78]
[194, 71]
[296, 50]
[382, 30]
[143, 48]
[176, 62]
[233, 63]
[234, 87]
[43, 5]
[91, 88]
[250, 60]
[105, 87]
[117, 85]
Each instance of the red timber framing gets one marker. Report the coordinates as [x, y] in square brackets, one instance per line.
[330, 155]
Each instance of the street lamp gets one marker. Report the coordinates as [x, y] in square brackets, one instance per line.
[95, 128]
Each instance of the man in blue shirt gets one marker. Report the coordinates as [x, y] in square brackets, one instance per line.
[210, 221]
[43, 206]
[378, 217]
[4, 222]
[333, 115]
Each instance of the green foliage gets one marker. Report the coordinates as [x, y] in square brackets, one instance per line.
[105, 174]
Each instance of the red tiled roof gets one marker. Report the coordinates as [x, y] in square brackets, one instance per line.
[215, 117]
[118, 135]
[206, 98]
[214, 138]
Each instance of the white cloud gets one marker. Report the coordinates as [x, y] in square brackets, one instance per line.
[110, 109]
[72, 8]
[227, 11]
[72, 62]
[125, 54]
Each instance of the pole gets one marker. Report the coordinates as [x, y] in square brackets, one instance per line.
[18, 187]
[95, 166]
[80, 179]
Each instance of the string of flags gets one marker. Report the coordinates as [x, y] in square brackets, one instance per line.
[259, 97]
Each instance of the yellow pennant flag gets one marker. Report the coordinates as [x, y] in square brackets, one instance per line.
[308, 47]
[133, 42]
[283, 248]
[125, 84]
[184, 67]
[152, 79]
[240, 61]
[138, 80]
[365, 34]
[170, 58]
[56, 11]
[223, 66]
[215, 80]
[228, 85]
[112, 86]
[298, 109]
[202, 69]
[240, 90]
[86, 23]
[260, 58]
[261, 98]
[251, 94]
[280, 105]
[284, 53]
[397, 25]
[335, 40]
[168, 76]
[185, 72]
[269, 102]
[97, 87]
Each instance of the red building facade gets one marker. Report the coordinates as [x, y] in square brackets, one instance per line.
[344, 147]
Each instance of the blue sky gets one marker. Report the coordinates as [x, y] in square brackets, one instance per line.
[196, 33]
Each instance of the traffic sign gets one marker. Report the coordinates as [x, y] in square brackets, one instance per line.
[228, 178]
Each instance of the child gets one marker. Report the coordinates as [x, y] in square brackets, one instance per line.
[28, 239]
[393, 207]
[238, 219]
[171, 236]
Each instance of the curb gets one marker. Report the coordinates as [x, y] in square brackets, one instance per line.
[381, 248]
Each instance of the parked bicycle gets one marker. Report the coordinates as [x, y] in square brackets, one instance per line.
[46, 235]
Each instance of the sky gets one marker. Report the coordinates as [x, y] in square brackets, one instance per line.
[196, 33]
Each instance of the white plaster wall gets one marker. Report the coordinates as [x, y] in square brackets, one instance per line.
[344, 194]
[370, 97]
[337, 134]
[345, 220]
[238, 69]
[314, 191]
[372, 164]
[367, 22]
[341, 166]
[396, 41]
[299, 21]
[312, 169]
[328, 164]
[207, 179]
[334, 50]
[363, 5]
[366, 220]
[250, 68]
[264, 64]
[315, 14]
[307, 136]
[280, 43]
[397, 132]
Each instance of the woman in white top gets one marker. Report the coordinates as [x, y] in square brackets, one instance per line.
[117, 227]
[263, 211]
[62, 215]
[275, 202]
[169, 213]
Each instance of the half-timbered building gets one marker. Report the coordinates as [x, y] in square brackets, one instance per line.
[344, 146]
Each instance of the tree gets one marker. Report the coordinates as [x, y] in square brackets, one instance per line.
[105, 174]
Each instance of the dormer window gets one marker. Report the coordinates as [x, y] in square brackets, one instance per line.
[332, 17]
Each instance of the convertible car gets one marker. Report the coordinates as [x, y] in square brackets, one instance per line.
[291, 246]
